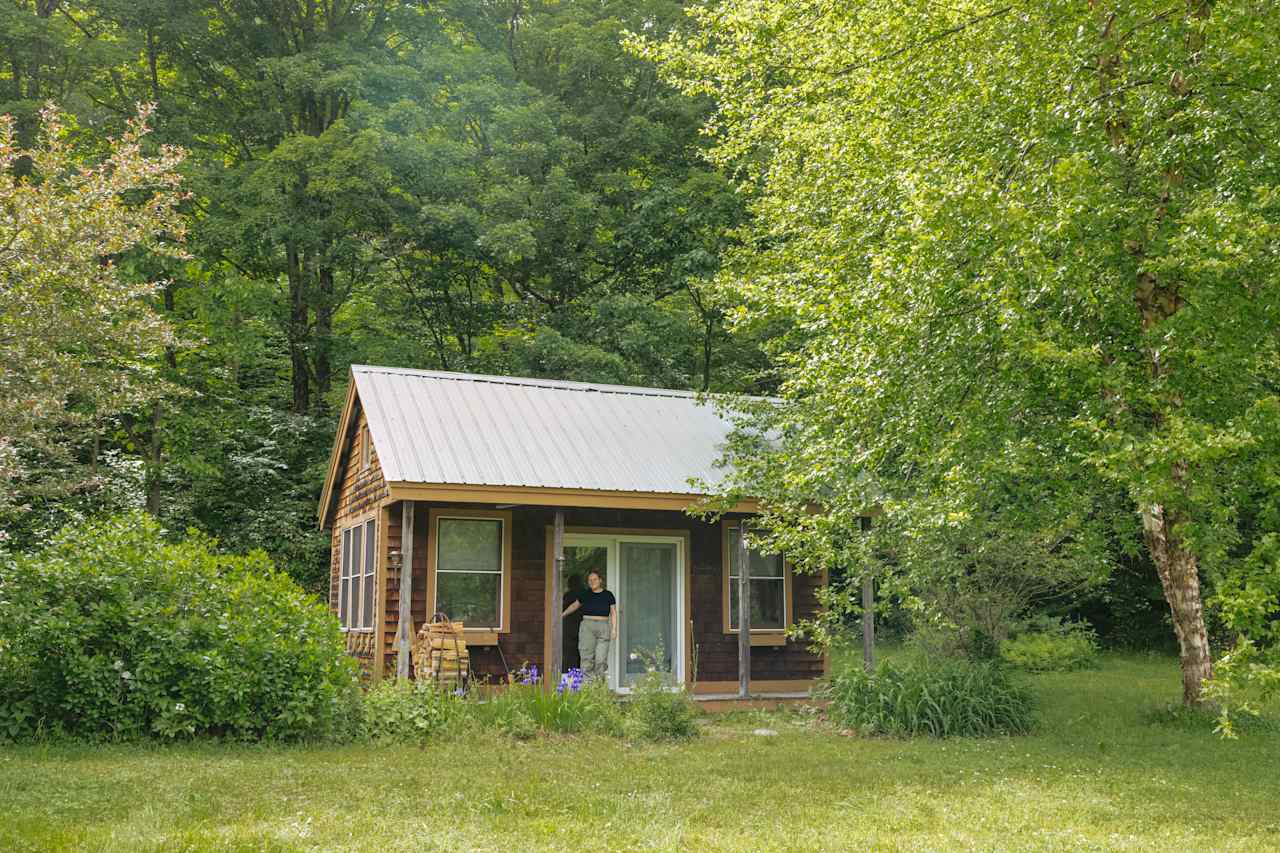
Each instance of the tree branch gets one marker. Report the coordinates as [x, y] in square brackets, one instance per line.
[936, 37]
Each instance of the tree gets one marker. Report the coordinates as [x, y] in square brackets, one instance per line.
[1026, 247]
[79, 338]
[493, 186]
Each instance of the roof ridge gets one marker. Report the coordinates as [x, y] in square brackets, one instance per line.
[535, 382]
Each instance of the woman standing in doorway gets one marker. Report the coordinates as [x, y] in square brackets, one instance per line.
[599, 625]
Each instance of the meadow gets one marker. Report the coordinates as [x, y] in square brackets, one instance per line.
[1108, 767]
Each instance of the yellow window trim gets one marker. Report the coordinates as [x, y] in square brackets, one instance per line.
[485, 635]
[341, 529]
[759, 636]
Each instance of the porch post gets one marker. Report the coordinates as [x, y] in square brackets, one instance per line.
[556, 664]
[868, 611]
[868, 624]
[404, 631]
[744, 612]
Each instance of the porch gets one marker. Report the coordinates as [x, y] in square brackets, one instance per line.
[668, 571]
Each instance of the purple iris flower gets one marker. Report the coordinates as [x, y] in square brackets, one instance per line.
[571, 681]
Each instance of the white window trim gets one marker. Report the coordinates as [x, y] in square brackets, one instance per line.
[613, 543]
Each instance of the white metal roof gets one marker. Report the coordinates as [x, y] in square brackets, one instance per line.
[458, 428]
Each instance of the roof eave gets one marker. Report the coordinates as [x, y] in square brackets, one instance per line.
[561, 497]
[325, 510]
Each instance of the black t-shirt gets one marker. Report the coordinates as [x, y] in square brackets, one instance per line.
[596, 603]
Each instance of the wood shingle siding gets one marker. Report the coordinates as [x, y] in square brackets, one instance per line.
[361, 490]
[717, 651]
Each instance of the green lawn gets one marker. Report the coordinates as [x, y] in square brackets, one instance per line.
[1098, 774]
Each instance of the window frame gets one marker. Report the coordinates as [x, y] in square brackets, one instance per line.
[483, 634]
[367, 524]
[759, 636]
[366, 447]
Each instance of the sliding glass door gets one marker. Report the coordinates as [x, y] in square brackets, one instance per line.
[646, 575]
[648, 635]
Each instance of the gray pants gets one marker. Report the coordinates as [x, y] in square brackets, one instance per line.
[593, 647]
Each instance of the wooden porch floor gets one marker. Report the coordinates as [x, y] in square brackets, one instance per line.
[720, 702]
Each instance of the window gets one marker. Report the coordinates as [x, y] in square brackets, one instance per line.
[356, 578]
[768, 578]
[366, 448]
[470, 560]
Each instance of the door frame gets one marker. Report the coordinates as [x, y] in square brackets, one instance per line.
[682, 656]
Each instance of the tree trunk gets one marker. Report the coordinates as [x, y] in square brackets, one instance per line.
[868, 624]
[298, 316]
[154, 462]
[708, 330]
[1180, 578]
[324, 332]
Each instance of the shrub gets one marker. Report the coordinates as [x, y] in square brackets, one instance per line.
[947, 698]
[1052, 646]
[659, 712]
[408, 711]
[112, 632]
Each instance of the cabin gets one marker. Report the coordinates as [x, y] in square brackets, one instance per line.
[462, 494]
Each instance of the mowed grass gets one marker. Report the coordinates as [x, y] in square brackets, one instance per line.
[1098, 774]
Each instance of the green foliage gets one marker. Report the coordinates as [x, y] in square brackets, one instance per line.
[1029, 257]
[250, 474]
[938, 698]
[659, 710]
[1248, 675]
[111, 632]
[1050, 645]
[77, 334]
[408, 711]
[457, 187]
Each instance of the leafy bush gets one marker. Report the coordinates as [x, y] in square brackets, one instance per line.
[526, 707]
[112, 632]
[1247, 677]
[408, 711]
[658, 712]
[1208, 720]
[947, 698]
[1052, 646]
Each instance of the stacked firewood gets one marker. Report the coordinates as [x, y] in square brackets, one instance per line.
[440, 653]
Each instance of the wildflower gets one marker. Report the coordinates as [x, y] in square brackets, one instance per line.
[571, 681]
[179, 707]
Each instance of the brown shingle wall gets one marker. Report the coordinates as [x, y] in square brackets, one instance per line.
[717, 652]
[358, 493]
[391, 597]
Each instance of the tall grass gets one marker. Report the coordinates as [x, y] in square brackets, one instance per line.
[526, 707]
[951, 698]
